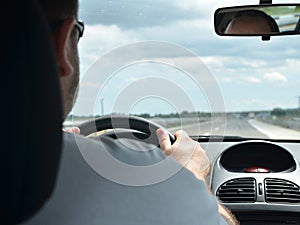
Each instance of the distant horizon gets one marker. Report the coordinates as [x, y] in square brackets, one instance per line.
[184, 112]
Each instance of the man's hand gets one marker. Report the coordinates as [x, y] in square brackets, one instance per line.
[74, 130]
[185, 151]
[190, 154]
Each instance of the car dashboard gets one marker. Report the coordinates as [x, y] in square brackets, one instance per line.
[257, 179]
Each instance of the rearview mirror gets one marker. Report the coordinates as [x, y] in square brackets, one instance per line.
[258, 20]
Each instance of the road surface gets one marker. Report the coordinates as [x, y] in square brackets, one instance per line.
[250, 128]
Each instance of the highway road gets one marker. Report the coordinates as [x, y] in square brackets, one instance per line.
[244, 127]
[223, 127]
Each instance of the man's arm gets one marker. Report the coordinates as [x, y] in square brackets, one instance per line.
[192, 156]
[227, 215]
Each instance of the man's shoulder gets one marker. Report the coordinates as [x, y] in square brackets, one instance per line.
[91, 188]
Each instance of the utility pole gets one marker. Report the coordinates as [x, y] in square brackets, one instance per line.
[298, 101]
[102, 106]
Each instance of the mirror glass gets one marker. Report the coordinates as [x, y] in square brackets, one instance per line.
[258, 20]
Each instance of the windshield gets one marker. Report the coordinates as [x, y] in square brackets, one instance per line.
[162, 60]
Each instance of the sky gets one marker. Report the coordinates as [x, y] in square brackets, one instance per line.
[153, 56]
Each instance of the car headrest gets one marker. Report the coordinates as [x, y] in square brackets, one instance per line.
[31, 112]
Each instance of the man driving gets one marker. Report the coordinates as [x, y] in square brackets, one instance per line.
[84, 197]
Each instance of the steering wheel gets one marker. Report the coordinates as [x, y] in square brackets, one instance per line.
[124, 127]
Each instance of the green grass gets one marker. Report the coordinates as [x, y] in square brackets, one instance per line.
[284, 10]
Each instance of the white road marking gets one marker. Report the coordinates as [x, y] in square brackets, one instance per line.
[274, 132]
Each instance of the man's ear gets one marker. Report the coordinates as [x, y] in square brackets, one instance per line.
[61, 39]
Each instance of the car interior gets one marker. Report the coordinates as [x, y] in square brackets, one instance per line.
[44, 183]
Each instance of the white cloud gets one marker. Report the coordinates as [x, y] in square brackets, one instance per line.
[215, 61]
[99, 40]
[101, 37]
[253, 63]
[274, 77]
[234, 61]
[293, 63]
[228, 79]
[241, 79]
[253, 80]
[200, 5]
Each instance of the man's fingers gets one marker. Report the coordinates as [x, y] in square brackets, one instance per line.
[181, 134]
[74, 130]
[164, 140]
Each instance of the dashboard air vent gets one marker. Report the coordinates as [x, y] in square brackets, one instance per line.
[281, 191]
[238, 190]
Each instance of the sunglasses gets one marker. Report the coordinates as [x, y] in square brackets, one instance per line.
[79, 25]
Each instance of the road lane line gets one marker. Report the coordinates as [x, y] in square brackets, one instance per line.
[274, 132]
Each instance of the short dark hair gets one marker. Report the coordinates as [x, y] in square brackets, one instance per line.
[59, 9]
[258, 13]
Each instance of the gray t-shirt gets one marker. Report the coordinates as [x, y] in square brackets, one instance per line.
[83, 196]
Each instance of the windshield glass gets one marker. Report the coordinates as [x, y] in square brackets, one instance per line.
[162, 60]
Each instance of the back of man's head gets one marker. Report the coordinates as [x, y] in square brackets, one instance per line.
[258, 16]
[59, 9]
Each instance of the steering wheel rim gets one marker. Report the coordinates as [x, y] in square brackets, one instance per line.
[139, 128]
